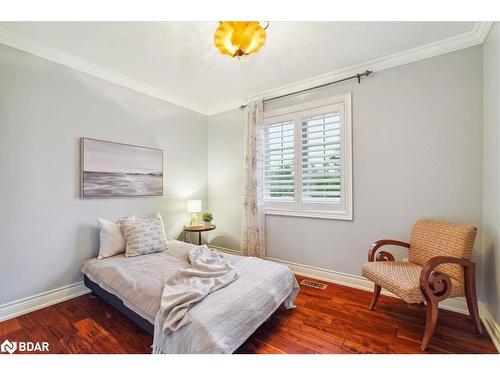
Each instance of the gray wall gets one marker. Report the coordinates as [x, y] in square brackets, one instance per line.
[225, 177]
[417, 141]
[417, 138]
[491, 172]
[46, 230]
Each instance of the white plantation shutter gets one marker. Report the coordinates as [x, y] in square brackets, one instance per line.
[279, 161]
[308, 159]
[321, 158]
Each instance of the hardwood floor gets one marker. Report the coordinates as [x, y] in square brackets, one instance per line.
[334, 320]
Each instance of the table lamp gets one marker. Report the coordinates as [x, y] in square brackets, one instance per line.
[194, 207]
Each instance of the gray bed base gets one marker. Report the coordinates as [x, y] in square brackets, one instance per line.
[117, 303]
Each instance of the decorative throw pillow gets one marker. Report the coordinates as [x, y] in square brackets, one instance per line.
[111, 237]
[144, 236]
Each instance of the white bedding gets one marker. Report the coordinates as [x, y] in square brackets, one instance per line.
[222, 321]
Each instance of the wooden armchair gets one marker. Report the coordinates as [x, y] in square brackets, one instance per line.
[439, 267]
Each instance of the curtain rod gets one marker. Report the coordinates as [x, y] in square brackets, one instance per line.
[358, 76]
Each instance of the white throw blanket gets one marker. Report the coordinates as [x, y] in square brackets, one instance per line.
[209, 272]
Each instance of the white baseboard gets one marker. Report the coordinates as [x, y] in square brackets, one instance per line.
[458, 304]
[491, 325]
[226, 250]
[453, 304]
[23, 306]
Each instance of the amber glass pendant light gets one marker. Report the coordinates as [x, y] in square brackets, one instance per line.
[239, 38]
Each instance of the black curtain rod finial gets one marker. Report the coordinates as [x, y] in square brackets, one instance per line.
[366, 74]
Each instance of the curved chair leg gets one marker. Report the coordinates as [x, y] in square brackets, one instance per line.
[376, 294]
[430, 322]
[471, 297]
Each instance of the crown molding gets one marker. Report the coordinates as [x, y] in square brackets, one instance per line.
[469, 39]
[481, 30]
[66, 59]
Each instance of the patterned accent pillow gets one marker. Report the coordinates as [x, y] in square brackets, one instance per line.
[144, 236]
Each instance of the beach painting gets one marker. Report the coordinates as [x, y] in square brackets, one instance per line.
[110, 169]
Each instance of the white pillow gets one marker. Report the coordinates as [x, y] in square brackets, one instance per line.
[112, 240]
[144, 236]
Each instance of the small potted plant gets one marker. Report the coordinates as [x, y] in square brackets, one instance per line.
[207, 218]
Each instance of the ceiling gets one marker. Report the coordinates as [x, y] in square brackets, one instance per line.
[178, 59]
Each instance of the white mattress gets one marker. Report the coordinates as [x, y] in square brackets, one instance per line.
[219, 323]
[139, 281]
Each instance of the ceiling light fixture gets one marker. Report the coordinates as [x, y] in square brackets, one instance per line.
[239, 38]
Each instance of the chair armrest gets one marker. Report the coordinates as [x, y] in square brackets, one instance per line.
[384, 255]
[435, 284]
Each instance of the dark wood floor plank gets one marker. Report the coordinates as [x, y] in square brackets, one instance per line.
[359, 343]
[408, 347]
[9, 326]
[76, 344]
[335, 336]
[332, 320]
[282, 342]
[90, 329]
[255, 346]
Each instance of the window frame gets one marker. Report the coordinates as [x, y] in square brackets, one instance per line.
[297, 112]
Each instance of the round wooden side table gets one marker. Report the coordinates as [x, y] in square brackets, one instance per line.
[199, 229]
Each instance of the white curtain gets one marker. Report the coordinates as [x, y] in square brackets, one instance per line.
[253, 238]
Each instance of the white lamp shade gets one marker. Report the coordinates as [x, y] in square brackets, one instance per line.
[194, 205]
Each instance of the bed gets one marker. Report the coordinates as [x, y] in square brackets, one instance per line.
[220, 323]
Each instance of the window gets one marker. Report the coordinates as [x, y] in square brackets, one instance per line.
[279, 161]
[307, 159]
